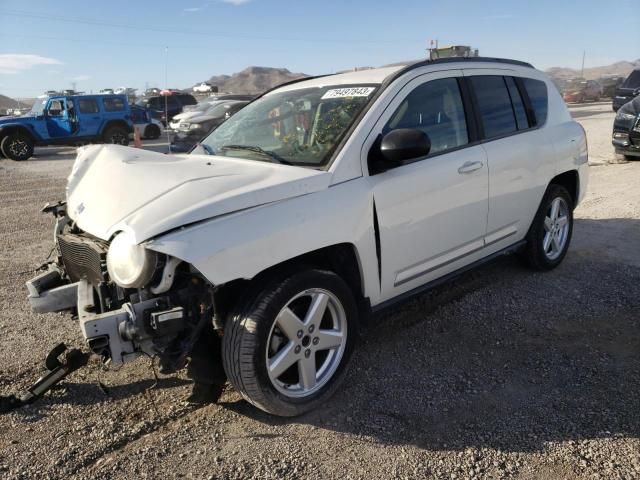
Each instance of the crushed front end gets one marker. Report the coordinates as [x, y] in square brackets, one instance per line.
[129, 300]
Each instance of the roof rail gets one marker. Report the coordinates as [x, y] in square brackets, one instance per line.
[475, 59]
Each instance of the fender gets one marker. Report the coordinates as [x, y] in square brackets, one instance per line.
[243, 244]
[7, 128]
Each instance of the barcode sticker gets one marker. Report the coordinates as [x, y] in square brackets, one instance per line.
[348, 92]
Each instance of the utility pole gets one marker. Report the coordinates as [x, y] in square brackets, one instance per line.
[584, 53]
[166, 100]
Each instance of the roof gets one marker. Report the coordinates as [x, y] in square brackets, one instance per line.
[379, 75]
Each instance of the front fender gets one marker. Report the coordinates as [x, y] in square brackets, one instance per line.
[7, 128]
[243, 244]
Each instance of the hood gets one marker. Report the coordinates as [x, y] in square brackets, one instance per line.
[19, 119]
[184, 115]
[205, 118]
[113, 188]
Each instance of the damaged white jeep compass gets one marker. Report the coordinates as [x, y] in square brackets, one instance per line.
[257, 257]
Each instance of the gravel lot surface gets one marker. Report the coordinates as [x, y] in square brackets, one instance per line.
[503, 373]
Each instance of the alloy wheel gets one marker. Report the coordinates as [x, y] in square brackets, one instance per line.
[556, 227]
[306, 343]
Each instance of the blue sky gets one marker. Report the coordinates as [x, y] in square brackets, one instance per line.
[50, 44]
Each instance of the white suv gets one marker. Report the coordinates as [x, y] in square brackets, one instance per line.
[260, 255]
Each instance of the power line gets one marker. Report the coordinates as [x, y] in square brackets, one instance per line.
[165, 30]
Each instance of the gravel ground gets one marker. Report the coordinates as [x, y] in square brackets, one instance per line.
[503, 373]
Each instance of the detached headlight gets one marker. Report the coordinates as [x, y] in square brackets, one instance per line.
[130, 265]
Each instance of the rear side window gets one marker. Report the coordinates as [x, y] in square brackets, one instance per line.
[435, 108]
[494, 105]
[187, 100]
[537, 92]
[88, 105]
[633, 80]
[517, 103]
[113, 104]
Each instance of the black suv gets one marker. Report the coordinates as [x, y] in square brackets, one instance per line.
[628, 90]
[626, 130]
[165, 107]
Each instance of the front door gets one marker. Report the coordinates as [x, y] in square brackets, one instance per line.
[432, 213]
[59, 123]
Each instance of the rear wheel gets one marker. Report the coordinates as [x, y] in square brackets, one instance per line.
[152, 131]
[17, 146]
[550, 233]
[287, 349]
[116, 135]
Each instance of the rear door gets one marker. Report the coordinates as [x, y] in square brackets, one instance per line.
[520, 158]
[89, 118]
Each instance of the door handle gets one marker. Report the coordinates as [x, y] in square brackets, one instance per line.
[468, 167]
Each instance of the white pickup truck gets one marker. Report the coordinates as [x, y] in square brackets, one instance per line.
[259, 256]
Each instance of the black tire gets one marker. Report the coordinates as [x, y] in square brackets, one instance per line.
[249, 328]
[152, 131]
[631, 158]
[17, 146]
[116, 135]
[535, 253]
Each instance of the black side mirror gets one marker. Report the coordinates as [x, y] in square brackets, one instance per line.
[400, 146]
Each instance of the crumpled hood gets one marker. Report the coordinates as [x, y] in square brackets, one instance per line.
[113, 188]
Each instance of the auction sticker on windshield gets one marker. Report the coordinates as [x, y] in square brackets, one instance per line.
[348, 92]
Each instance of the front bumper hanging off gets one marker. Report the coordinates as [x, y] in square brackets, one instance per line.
[117, 336]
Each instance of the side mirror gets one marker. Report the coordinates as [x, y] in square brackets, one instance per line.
[402, 145]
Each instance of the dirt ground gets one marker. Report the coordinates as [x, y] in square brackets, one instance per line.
[502, 373]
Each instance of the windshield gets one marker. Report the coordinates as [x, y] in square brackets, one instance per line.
[633, 80]
[300, 127]
[38, 106]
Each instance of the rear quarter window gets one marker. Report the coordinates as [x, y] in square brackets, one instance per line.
[538, 97]
[113, 104]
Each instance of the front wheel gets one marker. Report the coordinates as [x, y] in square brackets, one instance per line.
[116, 135]
[17, 146]
[287, 349]
[550, 233]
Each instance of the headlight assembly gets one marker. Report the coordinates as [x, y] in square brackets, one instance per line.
[130, 265]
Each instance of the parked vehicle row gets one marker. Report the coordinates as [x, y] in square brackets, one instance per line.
[580, 90]
[263, 253]
[165, 107]
[193, 129]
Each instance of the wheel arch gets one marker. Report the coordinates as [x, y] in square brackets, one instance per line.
[116, 123]
[9, 129]
[571, 181]
[342, 259]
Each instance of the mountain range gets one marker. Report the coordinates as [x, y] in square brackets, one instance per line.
[254, 79]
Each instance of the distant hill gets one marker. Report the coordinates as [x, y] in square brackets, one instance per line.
[7, 102]
[254, 79]
[619, 68]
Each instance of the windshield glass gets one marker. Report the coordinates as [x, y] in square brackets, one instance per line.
[300, 127]
[633, 80]
[38, 106]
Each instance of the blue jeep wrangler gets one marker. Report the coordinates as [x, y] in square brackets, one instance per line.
[67, 120]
